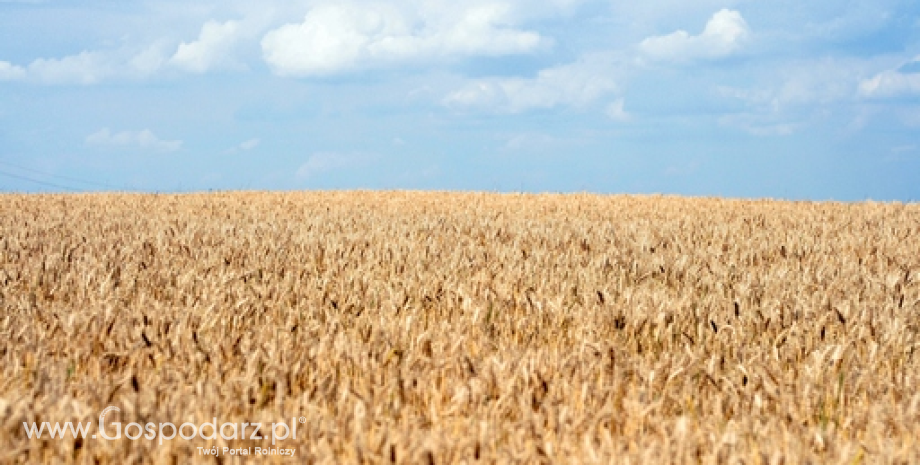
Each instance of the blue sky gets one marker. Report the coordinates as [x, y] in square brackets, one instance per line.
[781, 99]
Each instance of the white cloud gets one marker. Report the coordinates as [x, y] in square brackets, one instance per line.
[83, 68]
[530, 142]
[213, 49]
[87, 67]
[576, 84]
[616, 111]
[342, 37]
[893, 82]
[250, 144]
[759, 124]
[11, 72]
[723, 35]
[244, 146]
[480, 30]
[845, 20]
[322, 162]
[149, 61]
[333, 37]
[789, 97]
[803, 84]
[901, 153]
[144, 139]
[539, 142]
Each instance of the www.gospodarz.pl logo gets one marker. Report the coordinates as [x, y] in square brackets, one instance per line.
[166, 431]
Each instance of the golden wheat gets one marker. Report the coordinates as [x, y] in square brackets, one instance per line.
[464, 327]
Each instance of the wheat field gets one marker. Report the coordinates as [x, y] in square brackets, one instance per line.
[410, 327]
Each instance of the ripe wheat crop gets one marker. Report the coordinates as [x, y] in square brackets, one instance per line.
[463, 327]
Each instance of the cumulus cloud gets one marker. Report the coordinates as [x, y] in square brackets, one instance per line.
[86, 67]
[11, 72]
[144, 139]
[802, 84]
[723, 35]
[250, 144]
[213, 49]
[532, 141]
[322, 162]
[341, 37]
[83, 68]
[894, 82]
[763, 125]
[332, 38]
[794, 95]
[245, 146]
[617, 112]
[575, 84]
[149, 60]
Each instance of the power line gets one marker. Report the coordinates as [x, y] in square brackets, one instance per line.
[58, 176]
[44, 183]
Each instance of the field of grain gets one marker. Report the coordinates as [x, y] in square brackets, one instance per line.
[463, 327]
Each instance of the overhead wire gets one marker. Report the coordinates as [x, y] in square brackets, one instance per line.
[38, 181]
[58, 176]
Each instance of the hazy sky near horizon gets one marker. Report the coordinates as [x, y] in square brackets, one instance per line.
[784, 99]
